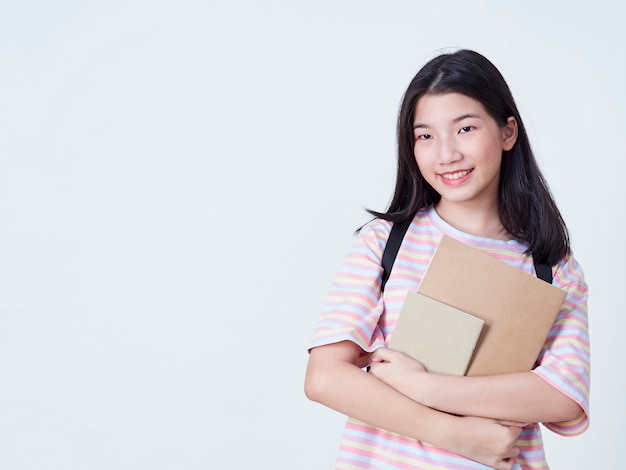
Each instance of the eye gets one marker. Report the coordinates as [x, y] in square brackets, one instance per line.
[466, 129]
[424, 137]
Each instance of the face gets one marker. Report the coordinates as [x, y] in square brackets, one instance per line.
[458, 148]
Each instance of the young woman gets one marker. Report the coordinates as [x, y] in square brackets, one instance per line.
[466, 170]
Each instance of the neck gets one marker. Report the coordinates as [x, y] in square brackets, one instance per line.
[479, 220]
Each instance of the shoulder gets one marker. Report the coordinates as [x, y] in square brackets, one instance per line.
[380, 229]
[376, 228]
[374, 234]
[569, 271]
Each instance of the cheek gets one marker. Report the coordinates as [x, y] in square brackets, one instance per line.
[486, 150]
[426, 169]
[423, 160]
[418, 154]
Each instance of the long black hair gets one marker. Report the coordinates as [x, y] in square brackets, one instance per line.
[526, 207]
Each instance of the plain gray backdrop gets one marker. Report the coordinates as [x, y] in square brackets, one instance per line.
[179, 181]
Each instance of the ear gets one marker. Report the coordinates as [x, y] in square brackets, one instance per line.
[509, 133]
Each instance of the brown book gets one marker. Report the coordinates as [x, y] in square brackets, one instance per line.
[440, 337]
[517, 308]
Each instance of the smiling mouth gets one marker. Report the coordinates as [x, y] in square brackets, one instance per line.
[456, 175]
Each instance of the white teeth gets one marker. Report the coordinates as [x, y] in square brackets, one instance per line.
[455, 176]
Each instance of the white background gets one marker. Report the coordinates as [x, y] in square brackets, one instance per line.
[179, 181]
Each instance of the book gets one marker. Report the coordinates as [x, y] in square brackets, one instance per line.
[440, 337]
[517, 308]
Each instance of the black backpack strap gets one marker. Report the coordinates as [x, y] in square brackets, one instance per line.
[544, 272]
[391, 249]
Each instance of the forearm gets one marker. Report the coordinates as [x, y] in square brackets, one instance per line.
[341, 385]
[334, 379]
[523, 397]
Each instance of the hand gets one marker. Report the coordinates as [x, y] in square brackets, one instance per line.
[397, 370]
[487, 441]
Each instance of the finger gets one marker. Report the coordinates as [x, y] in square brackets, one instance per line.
[512, 424]
[512, 453]
[505, 464]
[388, 355]
[380, 355]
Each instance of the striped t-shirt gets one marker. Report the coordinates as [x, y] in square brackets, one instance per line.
[355, 311]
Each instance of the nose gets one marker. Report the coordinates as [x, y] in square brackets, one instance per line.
[447, 151]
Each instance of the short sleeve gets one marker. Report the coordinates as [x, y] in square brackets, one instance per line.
[354, 303]
[564, 361]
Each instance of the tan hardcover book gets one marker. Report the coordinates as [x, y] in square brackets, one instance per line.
[440, 337]
[518, 308]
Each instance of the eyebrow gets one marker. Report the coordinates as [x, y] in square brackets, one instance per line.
[417, 125]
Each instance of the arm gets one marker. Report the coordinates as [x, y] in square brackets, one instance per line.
[555, 393]
[521, 397]
[333, 379]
